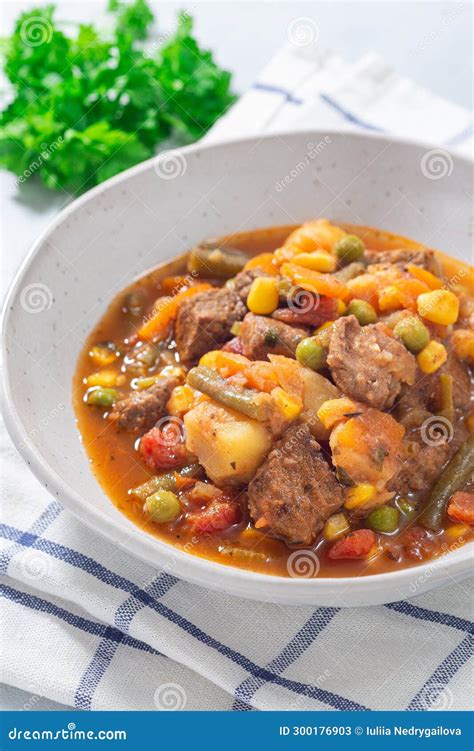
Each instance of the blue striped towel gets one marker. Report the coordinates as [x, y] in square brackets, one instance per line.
[92, 627]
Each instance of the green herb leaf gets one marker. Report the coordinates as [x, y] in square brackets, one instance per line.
[86, 105]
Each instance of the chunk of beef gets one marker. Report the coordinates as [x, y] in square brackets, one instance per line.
[295, 490]
[261, 336]
[417, 401]
[424, 258]
[243, 281]
[368, 363]
[141, 410]
[421, 463]
[204, 322]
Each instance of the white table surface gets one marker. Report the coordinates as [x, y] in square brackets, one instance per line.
[428, 41]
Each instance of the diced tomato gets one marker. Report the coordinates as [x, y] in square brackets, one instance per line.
[357, 544]
[321, 310]
[163, 448]
[417, 543]
[234, 345]
[217, 516]
[461, 507]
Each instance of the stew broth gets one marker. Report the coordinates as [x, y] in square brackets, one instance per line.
[118, 467]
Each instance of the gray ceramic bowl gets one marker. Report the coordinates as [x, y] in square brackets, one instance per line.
[155, 211]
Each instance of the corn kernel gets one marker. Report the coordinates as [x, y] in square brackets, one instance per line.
[341, 308]
[333, 411]
[102, 354]
[439, 306]
[432, 357]
[336, 526]
[463, 342]
[180, 401]
[390, 298]
[457, 530]
[104, 378]
[289, 406]
[359, 495]
[319, 260]
[263, 296]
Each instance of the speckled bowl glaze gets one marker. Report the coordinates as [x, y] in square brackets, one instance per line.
[155, 211]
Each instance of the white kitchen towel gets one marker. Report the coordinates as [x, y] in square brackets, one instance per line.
[89, 626]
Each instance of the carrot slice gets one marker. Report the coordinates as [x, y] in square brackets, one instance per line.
[165, 310]
[323, 284]
[264, 261]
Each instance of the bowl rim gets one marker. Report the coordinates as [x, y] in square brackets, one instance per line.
[193, 568]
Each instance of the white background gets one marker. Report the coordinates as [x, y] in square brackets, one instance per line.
[423, 40]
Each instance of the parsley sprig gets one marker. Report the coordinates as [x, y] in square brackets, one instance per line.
[87, 105]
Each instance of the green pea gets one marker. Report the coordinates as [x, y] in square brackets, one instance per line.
[162, 506]
[383, 519]
[363, 311]
[349, 249]
[413, 334]
[310, 353]
[98, 397]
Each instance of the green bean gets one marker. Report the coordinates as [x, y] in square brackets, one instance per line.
[99, 397]
[453, 478]
[134, 303]
[250, 403]
[163, 482]
[219, 263]
[446, 396]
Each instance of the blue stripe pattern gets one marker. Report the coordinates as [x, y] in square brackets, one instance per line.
[287, 95]
[292, 651]
[84, 624]
[435, 694]
[349, 116]
[145, 598]
[50, 513]
[105, 652]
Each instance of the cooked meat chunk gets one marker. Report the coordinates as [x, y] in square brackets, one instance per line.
[417, 401]
[402, 256]
[367, 363]
[421, 464]
[261, 336]
[462, 387]
[295, 490]
[243, 281]
[141, 410]
[204, 322]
